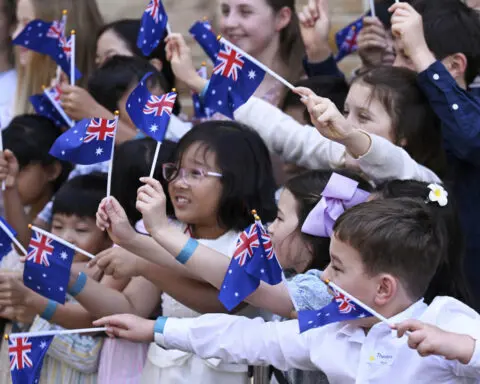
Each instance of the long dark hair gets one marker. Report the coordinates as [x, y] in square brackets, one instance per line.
[292, 49]
[412, 117]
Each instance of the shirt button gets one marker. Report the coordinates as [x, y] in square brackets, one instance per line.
[436, 76]
[455, 107]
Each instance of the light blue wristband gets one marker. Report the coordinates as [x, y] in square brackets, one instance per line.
[160, 324]
[79, 284]
[49, 311]
[187, 251]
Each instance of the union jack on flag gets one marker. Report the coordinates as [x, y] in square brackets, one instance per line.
[346, 39]
[341, 308]
[47, 268]
[66, 45]
[160, 105]
[264, 264]
[55, 92]
[153, 26]
[150, 113]
[41, 249]
[26, 358]
[234, 80]
[246, 244]
[19, 350]
[100, 130]
[56, 30]
[229, 62]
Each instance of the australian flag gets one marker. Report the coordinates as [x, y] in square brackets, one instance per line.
[46, 38]
[88, 142]
[341, 308]
[264, 264]
[198, 107]
[346, 39]
[150, 113]
[6, 234]
[234, 80]
[202, 32]
[26, 358]
[47, 268]
[238, 284]
[48, 105]
[152, 29]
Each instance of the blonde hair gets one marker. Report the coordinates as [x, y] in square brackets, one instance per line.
[83, 16]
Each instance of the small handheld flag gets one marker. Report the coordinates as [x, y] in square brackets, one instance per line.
[346, 39]
[264, 264]
[53, 94]
[150, 113]
[26, 358]
[44, 107]
[342, 308]
[90, 141]
[45, 38]
[234, 80]
[203, 34]
[153, 27]
[237, 283]
[7, 236]
[47, 268]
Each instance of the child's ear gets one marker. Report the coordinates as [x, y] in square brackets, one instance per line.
[53, 171]
[284, 16]
[386, 289]
[456, 64]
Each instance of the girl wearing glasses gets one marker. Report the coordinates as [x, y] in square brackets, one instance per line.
[221, 172]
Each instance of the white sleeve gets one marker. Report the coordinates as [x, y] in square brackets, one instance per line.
[237, 339]
[296, 143]
[386, 161]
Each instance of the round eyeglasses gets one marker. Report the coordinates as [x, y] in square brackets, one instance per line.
[191, 176]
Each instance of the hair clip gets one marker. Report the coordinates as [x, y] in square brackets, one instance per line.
[437, 194]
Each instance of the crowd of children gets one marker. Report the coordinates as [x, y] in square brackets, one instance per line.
[367, 185]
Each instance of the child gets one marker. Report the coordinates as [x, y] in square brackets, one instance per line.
[441, 41]
[399, 131]
[30, 173]
[222, 170]
[70, 358]
[384, 253]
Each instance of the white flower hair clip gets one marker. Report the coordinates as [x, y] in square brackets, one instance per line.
[437, 194]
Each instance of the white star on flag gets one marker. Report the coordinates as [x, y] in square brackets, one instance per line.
[154, 128]
[43, 345]
[252, 74]
[64, 255]
[99, 151]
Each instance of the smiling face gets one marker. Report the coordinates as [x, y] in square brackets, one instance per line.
[250, 24]
[366, 112]
[197, 203]
[291, 249]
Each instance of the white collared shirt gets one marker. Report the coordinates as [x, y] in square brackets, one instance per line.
[344, 352]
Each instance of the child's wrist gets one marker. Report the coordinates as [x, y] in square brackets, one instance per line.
[466, 348]
[357, 143]
[49, 310]
[422, 58]
[197, 83]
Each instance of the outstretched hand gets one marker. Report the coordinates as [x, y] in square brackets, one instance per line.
[127, 326]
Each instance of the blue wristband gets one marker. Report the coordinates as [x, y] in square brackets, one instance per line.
[160, 324]
[187, 251]
[49, 311]
[79, 284]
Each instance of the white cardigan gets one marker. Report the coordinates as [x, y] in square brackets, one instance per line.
[305, 146]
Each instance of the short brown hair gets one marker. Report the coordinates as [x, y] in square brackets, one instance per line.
[396, 236]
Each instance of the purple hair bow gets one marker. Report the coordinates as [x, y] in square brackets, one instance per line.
[340, 194]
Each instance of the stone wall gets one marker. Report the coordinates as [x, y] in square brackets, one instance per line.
[182, 14]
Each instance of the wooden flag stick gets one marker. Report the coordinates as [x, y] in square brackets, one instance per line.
[72, 57]
[255, 61]
[110, 166]
[61, 241]
[54, 333]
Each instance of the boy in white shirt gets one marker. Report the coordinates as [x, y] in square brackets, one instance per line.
[384, 253]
